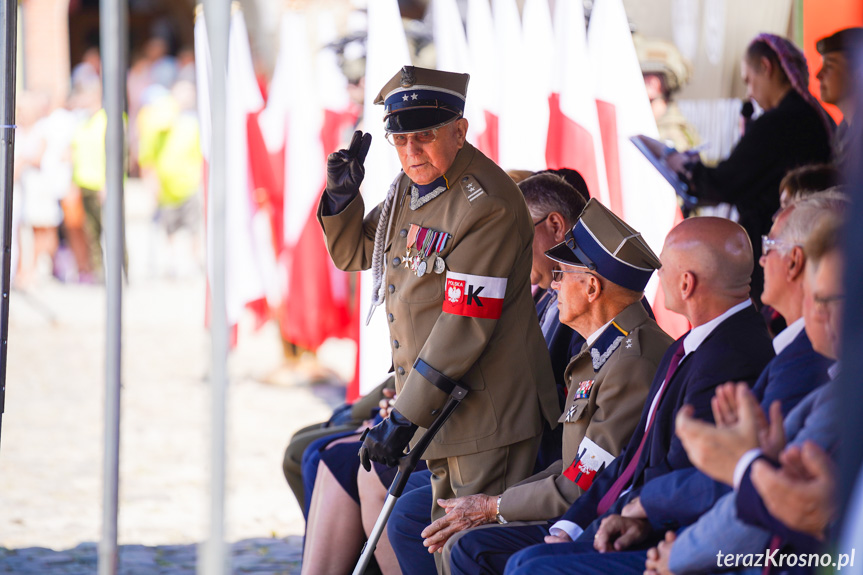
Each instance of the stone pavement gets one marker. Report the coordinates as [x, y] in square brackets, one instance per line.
[52, 429]
[259, 556]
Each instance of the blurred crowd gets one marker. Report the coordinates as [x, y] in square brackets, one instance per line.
[59, 186]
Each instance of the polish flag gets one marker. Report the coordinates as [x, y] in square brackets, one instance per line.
[510, 66]
[452, 54]
[574, 139]
[483, 88]
[637, 192]
[538, 62]
[249, 254]
[386, 53]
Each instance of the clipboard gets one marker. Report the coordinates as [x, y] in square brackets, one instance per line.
[656, 152]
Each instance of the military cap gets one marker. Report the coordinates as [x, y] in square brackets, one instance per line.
[602, 242]
[847, 40]
[421, 99]
[660, 57]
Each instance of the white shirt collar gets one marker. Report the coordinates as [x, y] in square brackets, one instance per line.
[698, 334]
[784, 338]
[833, 371]
[595, 335]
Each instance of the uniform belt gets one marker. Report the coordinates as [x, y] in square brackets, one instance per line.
[446, 384]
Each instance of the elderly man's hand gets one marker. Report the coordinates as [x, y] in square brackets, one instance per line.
[716, 449]
[618, 533]
[799, 493]
[657, 557]
[345, 171]
[461, 513]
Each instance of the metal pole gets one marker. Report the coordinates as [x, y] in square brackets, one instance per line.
[113, 40]
[8, 40]
[217, 19]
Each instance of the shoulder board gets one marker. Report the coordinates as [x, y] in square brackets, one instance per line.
[630, 344]
[471, 188]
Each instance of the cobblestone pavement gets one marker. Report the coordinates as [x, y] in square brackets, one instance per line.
[52, 429]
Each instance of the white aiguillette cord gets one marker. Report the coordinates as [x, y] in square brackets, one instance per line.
[382, 238]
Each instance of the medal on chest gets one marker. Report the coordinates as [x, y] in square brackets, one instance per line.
[423, 247]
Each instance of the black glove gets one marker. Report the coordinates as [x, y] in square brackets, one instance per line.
[386, 441]
[345, 171]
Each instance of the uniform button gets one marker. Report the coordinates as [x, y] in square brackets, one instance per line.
[392, 288]
[396, 343]
[403, 233]
[391, 318]
[401, 370]
[396, 261]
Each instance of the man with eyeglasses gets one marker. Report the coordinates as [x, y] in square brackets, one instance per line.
[450, 250]
[603, 266]
[777, 503]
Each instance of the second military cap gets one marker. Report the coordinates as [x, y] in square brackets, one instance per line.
[847, 40]
[602, 242]
[421, 99]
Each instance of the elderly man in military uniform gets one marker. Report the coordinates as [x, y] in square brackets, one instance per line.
[665, 73]
[450, 248]
[604, 266]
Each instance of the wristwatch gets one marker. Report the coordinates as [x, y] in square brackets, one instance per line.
[499, 517]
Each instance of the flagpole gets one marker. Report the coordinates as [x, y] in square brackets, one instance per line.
[112, 32]
[217, 19]
[8, 40]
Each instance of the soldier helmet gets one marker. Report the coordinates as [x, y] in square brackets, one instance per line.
[662, 58]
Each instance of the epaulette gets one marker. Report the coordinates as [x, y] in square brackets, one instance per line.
[471, 188]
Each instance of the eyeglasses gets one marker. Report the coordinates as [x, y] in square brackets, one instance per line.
[557, 275]
[768, 244]
[822, 303]
[401, 140]
[536, 223]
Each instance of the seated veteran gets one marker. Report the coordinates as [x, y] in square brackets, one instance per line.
[603, 267]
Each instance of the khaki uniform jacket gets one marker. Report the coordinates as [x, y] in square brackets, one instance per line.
[502, 358]
[615, 376]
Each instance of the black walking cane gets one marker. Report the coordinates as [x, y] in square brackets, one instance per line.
[407, 464]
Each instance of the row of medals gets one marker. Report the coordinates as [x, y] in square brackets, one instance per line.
[420, 259]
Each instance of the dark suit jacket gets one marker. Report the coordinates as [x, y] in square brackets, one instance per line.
[737, 350]
[792, 375]
[681, 497]
[751, 509]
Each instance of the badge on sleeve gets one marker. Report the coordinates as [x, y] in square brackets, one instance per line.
[474, 296]
[591, 460]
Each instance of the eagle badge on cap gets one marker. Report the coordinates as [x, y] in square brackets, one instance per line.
[408, 78]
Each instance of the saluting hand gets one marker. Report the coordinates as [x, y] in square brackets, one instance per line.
[345, 170]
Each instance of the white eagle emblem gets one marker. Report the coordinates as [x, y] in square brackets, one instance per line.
[453, 294]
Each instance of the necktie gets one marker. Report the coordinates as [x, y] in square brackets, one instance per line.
[623, 479]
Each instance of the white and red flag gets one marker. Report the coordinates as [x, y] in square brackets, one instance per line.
[249, 257]
[452, 55]
[637, 192]
[574, 138]
[483, 88]
[386, 53]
